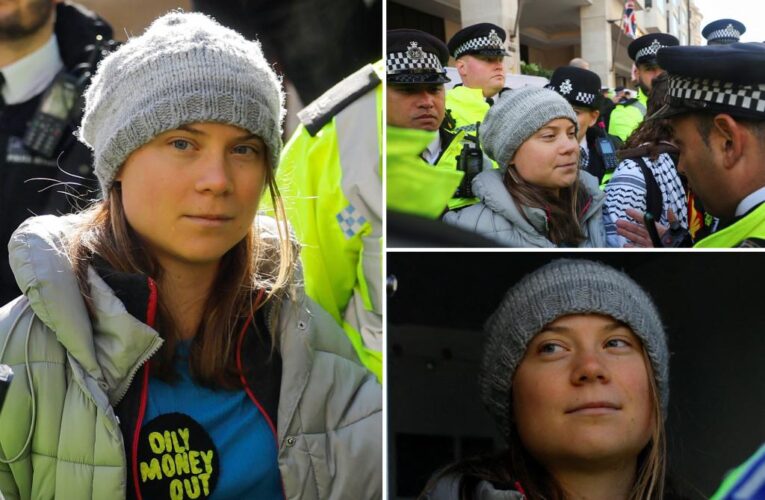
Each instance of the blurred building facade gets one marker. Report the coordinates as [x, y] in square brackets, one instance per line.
[550, 33]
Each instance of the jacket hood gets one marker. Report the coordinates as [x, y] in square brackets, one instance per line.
[109, 346]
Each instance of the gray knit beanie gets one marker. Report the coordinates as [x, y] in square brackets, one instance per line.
[185, 68]
[562, 287]
[516, 116]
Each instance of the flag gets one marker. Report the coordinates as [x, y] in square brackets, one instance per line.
[629, 19]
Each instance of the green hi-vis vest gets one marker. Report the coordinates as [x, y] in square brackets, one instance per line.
[412, 185]
[751, 226]
[330, 178]
[625, 118]
[467, 106]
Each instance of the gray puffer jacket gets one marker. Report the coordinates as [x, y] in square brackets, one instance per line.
[498, 217]
[60, 436]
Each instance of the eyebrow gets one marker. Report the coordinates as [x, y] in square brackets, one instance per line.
[196, 131]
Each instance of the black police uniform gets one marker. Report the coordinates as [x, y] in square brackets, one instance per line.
[718, 79]
[82, 39]
[723, 31]
[581, 87]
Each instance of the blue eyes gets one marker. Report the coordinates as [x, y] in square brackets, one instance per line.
[241, 149]
[181, 144]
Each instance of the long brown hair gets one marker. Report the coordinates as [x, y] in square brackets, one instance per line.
[260, 261]
[515, 465]
[649, 136]
[563, 212]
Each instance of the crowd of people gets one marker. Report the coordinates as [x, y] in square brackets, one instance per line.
[570, 164]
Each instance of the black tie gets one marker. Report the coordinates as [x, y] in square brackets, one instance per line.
[2, 82]
[585, 157]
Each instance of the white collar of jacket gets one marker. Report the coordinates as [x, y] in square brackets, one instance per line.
[33, 73]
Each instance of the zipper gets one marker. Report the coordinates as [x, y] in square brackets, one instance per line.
[246, 387]
[151, 314]
[154, 347]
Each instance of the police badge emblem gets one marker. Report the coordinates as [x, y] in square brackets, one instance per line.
[566, 87]
[415, 52]
[655, 46]
[494, 39]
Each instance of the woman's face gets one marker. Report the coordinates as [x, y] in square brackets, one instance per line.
[581, 394]
[191, 193]
[549, 158]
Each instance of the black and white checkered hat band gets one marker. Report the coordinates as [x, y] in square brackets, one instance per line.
[729, 33]
[750, 98]
[480, 43]
[651, 50]
[585, 98]
[400, 62]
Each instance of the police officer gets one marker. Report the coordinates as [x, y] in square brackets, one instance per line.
[329, 175]
[629, 113]
[479, 50]
[48, 49]
[723, 31]
[717, 111]
[581, 88]
[415, 97]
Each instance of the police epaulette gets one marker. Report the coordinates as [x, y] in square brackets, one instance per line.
[322, 110]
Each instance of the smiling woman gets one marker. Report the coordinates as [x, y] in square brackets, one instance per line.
[168, 345]
[575, 374]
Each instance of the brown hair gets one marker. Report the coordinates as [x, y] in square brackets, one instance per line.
[259, 262]
[515, 465]
[647, 138]
[563, 212]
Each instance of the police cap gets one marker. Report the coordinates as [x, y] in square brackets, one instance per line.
[580, 87]
[643, 50]
[715, 79]
[415, 57]
[483, 39]
[723, 31]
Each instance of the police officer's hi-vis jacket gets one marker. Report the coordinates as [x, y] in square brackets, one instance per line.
[467, 106]
[628, 116]
[330, 179]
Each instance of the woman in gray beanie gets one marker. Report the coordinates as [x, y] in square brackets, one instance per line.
[164, 347]
[538, 197]
[575, 373]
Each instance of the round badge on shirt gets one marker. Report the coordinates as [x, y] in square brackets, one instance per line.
[176, 459]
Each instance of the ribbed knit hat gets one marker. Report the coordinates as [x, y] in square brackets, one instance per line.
[516, 116]
[185, 68]
[565, 286]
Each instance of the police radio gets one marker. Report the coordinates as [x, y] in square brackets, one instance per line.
[47, 127]
[470, 161]
[607, 151]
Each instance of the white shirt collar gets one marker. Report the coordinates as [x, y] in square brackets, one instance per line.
[32, 74]
[750, 202]
[431, 153]
[584, 145]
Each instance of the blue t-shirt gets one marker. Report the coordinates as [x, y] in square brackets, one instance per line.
[197, 442]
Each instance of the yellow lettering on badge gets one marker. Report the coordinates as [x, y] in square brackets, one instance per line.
[168, 465]
[192, 487]
[176, 489]
[150, 470]
[156, 443]
[194, 462]
[207, 457]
